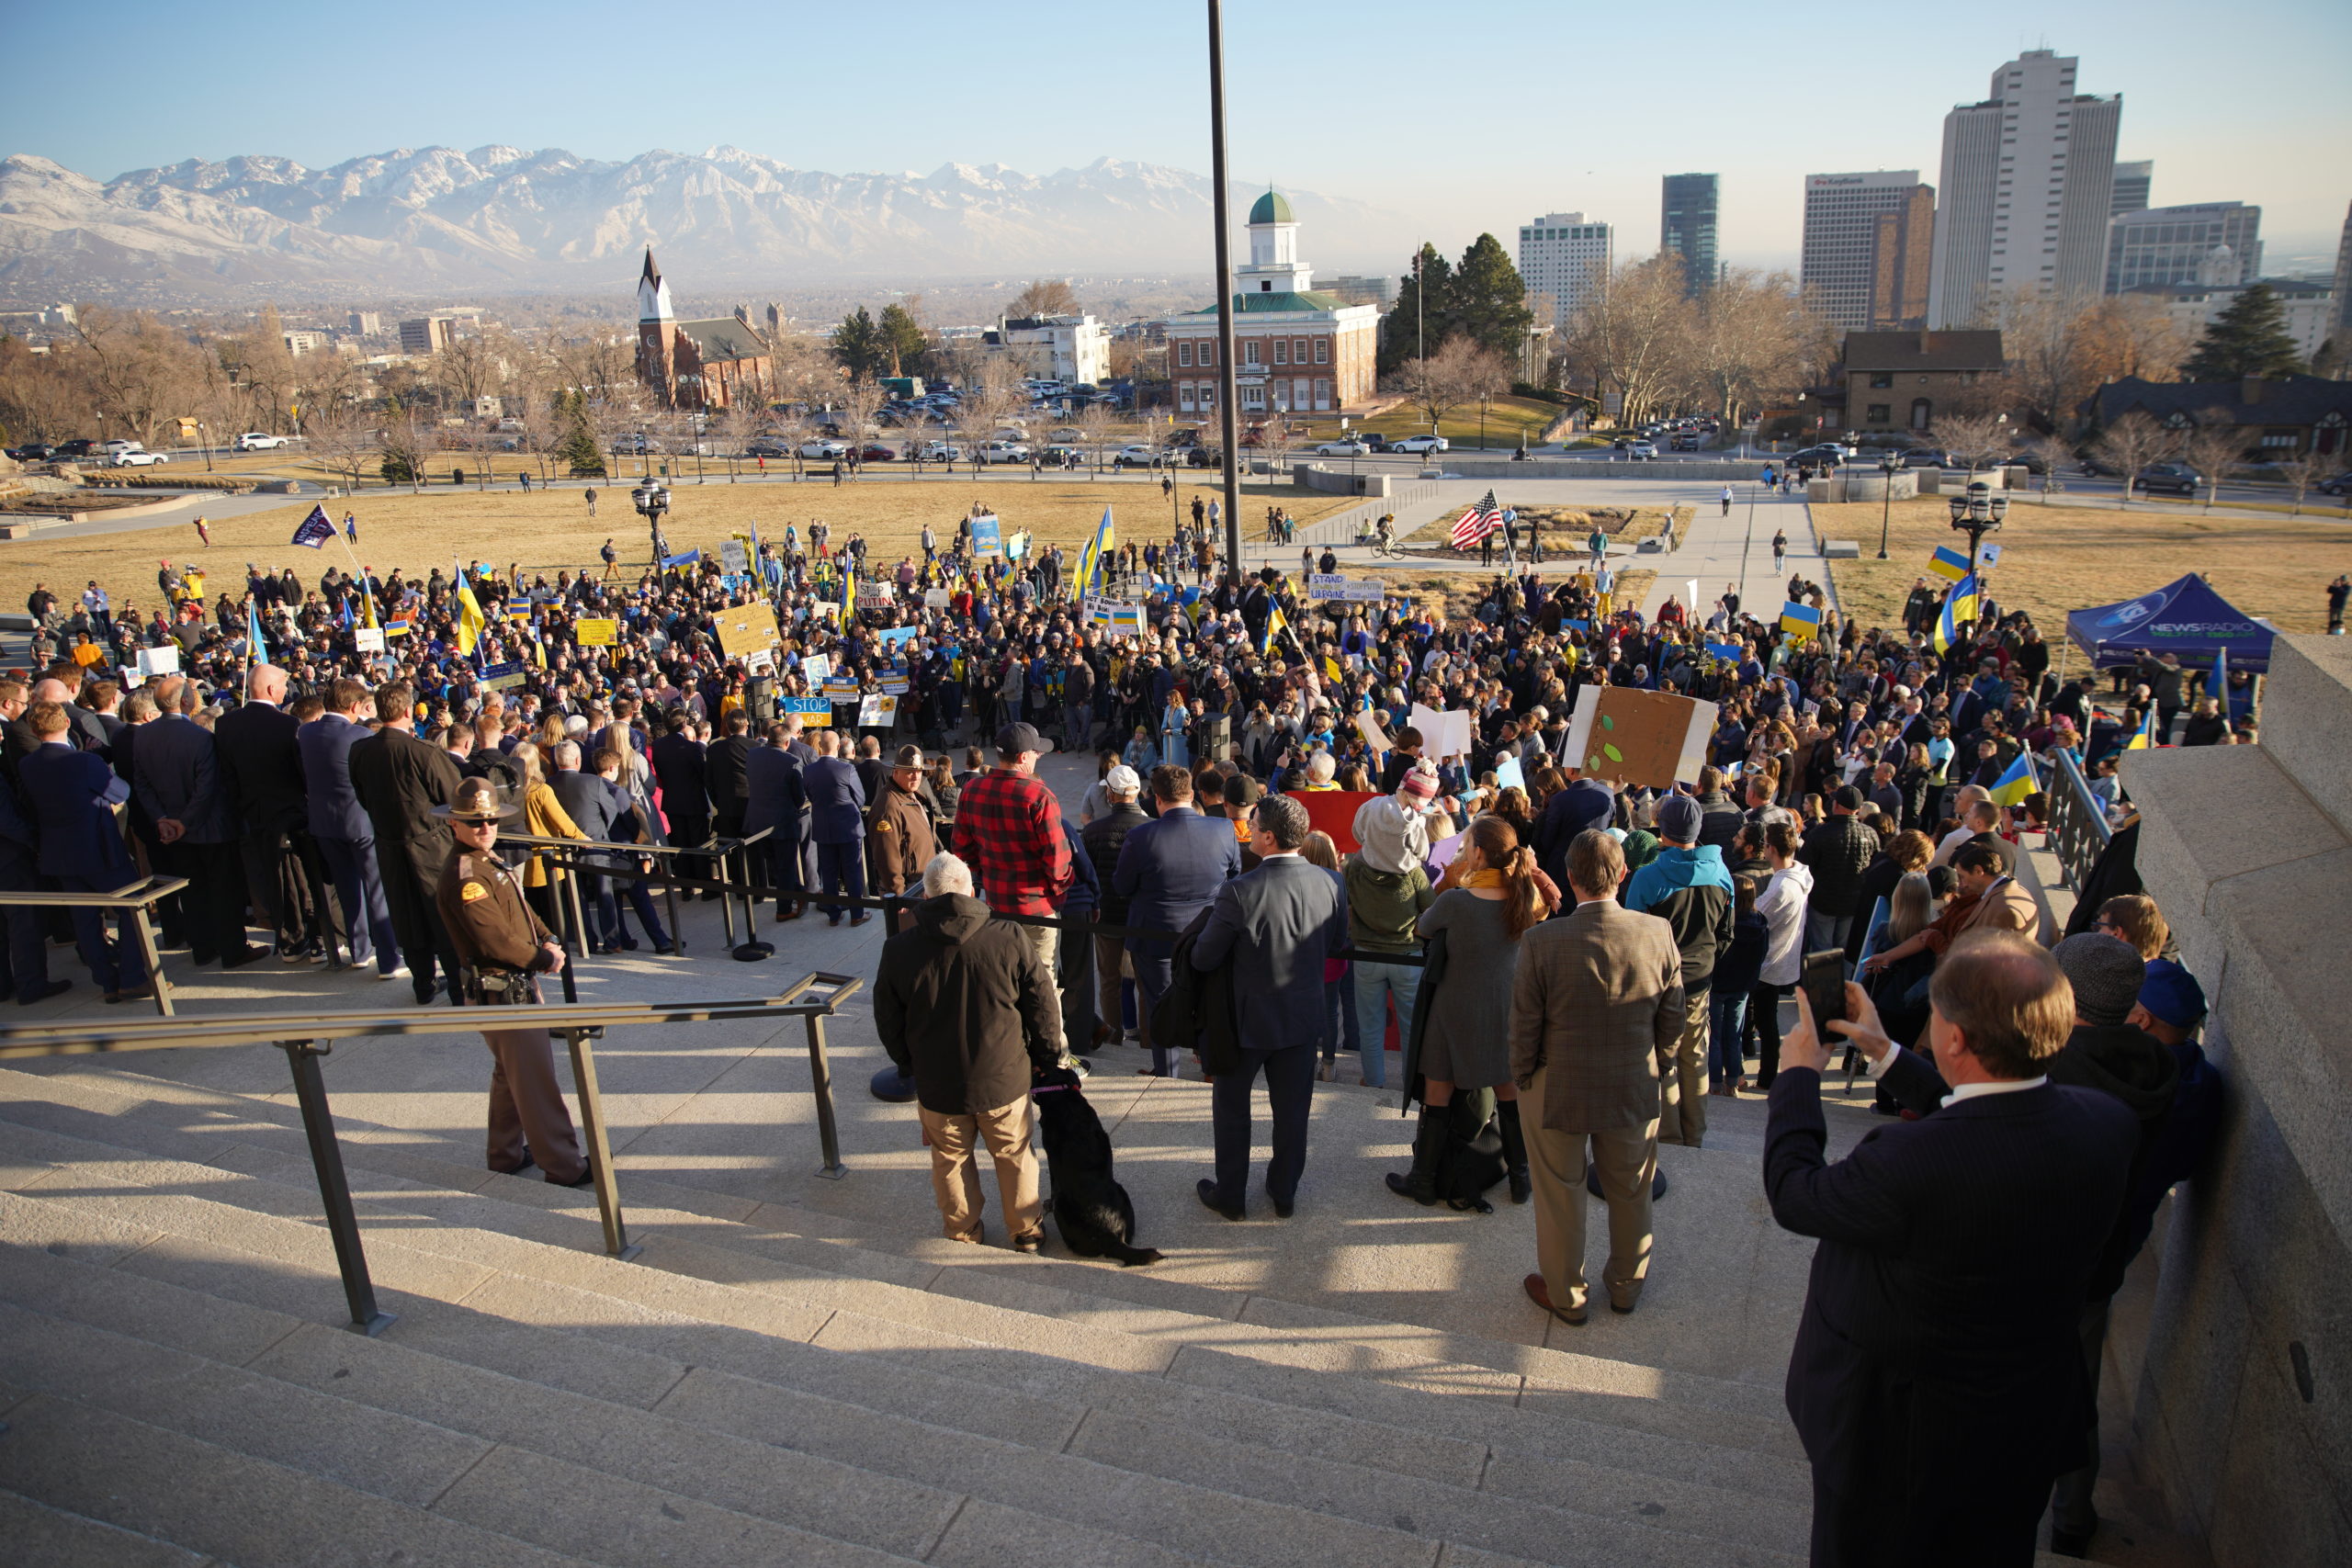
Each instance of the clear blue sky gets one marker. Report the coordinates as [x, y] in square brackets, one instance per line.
[1461, 118]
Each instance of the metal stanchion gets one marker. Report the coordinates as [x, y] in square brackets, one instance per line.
[598, 1146]
[751, 949]
[334, 1187]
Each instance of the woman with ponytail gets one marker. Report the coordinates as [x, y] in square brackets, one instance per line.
[1491, 895]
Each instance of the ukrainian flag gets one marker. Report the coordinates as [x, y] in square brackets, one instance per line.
[1948, 563]
[1800, 621]
[2145, 741]
[2013, 786]
[1959, 604]
[1275, 625]
[1090, 562]
[470, 620]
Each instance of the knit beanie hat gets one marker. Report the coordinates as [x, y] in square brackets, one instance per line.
[1419, 786]
[2107, 973]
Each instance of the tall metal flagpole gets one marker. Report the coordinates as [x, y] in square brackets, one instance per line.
[1228, 425]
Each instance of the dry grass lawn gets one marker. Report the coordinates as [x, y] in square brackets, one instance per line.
[2059, 558]
[546, 530]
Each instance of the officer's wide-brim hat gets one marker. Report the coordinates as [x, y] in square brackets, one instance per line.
[481, 800]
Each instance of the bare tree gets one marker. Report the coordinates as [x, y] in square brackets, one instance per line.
[737, 426]
[1094, 428]
[1631, 334]
[2132, 444]
[2301, 472]
[860, 401]
[616, 411]
[1457, 373]
[791, 427]
[401, 445]
[536, 430]
[2051, 452]
[1978, 440]
[1752, 342]
[1045, 296]
[345, 442]
[139, 372]
[2212, 444]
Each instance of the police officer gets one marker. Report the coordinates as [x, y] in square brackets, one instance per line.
[900, 835]
[502, 947]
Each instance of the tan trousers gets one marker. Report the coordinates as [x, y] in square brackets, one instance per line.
[1627, 1159]
[526, 1103]
[956, 1174]
[1682, 1079]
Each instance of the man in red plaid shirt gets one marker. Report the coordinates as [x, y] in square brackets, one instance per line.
[1009, 830]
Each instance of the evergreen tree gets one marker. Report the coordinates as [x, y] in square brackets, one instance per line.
[1489, 301]
[903, 341]
[575, 449]
[1424, 313]
[859, 345]
[2248, 338]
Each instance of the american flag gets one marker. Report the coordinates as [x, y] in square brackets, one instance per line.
[1478, 522]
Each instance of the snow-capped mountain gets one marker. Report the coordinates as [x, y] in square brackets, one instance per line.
[434, 219]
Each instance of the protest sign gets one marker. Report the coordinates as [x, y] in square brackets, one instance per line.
[368, 639]
[1368, 726]
[935, 598]
[503, 677]
[1333, 811]
[747, 628]
[877, 710]
[598, 633]
[733, 555]
[1648, 739]
[987, 536]
[815, 711]
[1443, 734]
[816, 666]
[1347, 589]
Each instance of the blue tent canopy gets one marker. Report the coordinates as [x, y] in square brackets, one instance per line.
[2187, 618]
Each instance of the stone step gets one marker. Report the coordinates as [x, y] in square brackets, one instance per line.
[1118, 1318]
[42, 1536]
[1518, 1519]
[215, 1502]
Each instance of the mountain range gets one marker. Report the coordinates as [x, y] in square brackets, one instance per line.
[437, 220]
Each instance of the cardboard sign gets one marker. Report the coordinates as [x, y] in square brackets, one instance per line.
[841, 691]
[816, 666]
[897, 636]
[368, 639]
[1648, 739]
[878, 710]
[1333, 811]
[815, 713]
[1368, 726]
[733, 555]
[1347, 589]
[935, 598]
[875, 596]
[503, 677]
[1443, 734]
[895, 684]
[596, 633]
[987, 536]
[154, 661]
[1508, 774]
[747, 629]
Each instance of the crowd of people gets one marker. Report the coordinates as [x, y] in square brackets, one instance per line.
[1530, 934]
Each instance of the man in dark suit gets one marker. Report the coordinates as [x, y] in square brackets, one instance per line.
[602, 810]
[71, 796]
[837, 823]
[260, 754]
[1277, 925]
[344, 832]
[397, 779]
[1935, 1380]
[681, 764]
[774, 800]
[22, 951]
[1168, 870]
[190, 800]
[725, 768]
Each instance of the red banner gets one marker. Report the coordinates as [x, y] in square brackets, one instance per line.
[1333, 811]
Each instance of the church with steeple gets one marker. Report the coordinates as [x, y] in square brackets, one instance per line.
[1296, 350]
[701, 364]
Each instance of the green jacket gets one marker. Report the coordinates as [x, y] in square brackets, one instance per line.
[1384, 905]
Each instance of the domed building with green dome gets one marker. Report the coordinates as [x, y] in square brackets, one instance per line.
[1297, 351]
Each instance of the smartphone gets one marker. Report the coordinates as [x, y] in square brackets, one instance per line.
[1824, 979]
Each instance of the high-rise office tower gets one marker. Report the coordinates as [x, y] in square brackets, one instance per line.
[1561, 255]
[2214, 243]
[1686, 225]
[2342, 329]
[2028, 178]
[1867, 241]
[2133, 182]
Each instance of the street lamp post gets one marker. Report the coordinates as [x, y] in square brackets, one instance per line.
[1977, 511]
[1889, 464]
[651, 502]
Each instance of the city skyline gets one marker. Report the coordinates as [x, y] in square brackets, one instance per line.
[2212, 118]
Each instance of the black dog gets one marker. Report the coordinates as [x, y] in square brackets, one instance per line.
[1091, 1208]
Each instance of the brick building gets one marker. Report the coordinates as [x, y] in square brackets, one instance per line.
[711, 364]
[1297, 350]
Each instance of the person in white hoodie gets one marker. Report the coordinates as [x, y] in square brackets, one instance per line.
[1783, 904]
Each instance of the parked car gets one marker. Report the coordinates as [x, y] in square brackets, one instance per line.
[1686, 441]
[1826, 456]
[767, 449]
[939, 452]
[2339, 484]
[137, 458]
[257, 441]
[1924, 460]
[877, 453]
[2176, 478]
[33, 451]
[78, 447]
[2029, 461]
[117, 446]
[1420, 444]
[1346, 449]
[1135, 456]
[1002, 451]
[823, 451]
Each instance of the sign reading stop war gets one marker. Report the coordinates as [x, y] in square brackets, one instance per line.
[747, 629]
[596, 633]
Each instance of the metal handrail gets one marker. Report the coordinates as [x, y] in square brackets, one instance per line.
[305, 1038]
[2078, 826]
[135, 898]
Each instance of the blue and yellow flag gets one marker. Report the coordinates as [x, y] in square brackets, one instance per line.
[1091, 560]
[1948, 563]
[1800, 621]
[2146, 739]
[2013, 786]
[1275, 625]
[470, 620]
[1959, 604]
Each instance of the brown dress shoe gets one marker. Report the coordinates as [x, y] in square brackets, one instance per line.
[1541, 1294]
